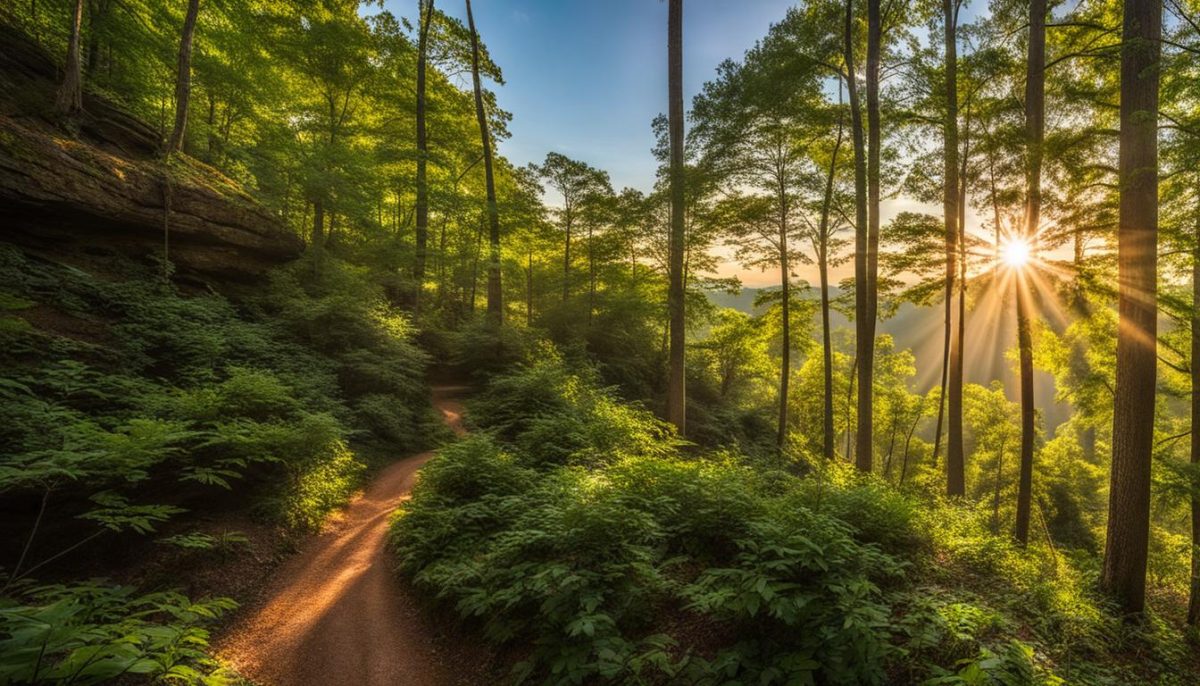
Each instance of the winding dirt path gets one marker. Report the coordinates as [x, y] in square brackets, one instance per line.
[335, 613]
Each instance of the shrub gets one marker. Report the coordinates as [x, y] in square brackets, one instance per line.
[479, 350]
[575, 527]
[320, 483]
[125, 386]
[556, 417]
[94, 633]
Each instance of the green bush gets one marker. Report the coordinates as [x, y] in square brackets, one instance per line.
[479, 350]
[94, 633]
[556, 417]
[574, 527]
[123, 385]
[322, 482]
[341, 312]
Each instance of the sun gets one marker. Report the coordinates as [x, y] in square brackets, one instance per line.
[1015, 253]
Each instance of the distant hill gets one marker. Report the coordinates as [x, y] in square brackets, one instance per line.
[921, 330]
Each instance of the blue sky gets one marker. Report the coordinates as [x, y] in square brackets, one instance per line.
[586, 77]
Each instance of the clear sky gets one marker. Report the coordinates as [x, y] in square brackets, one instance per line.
[586, 77]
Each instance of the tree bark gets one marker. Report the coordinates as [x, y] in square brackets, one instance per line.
[1035, 98]
[422, 206]
[861, 303]
[183, 81]
[952, 346]
[568, 212]
[495, 306]
[823, 269]
[937, 432]
[1193, 615]
[785, 292]
[529, 289]
[996, 498]
[1080, 367]
[676, 399]
[70, 92]
[907, 442]
[591, 257]
[864, 453]
[1124, 571]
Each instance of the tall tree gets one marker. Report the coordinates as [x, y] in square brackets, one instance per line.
[867, 297]
[1125, 551]
[676, 400]
[857, 135]
[70, 92]
[183, 80]
[1193, 614]
[1035, 103]
[952, 347]
[824, 245]
[422, 204]
[577, 183]
[495, 307]
[758, 119]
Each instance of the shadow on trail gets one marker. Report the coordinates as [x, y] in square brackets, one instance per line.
[335, 613]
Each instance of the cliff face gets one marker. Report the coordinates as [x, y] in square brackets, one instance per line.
[104, 184]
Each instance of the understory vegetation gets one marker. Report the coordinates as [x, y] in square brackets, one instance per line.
[888, 373]
[582, 538]
[128, 405]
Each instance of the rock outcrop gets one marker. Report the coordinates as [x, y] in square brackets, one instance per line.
[104, 183]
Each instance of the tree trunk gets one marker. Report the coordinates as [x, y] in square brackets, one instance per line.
[1080, 366]
[591, 256]
[568, 220]
[785, 291]
[676, 401]
[849, 399]
[955, 478]
[422, 208]
[996, 498]
[955, 481]
[907, 442]
[494, 303]
[937, 432]
[823, 269]
[1035, 98]
[529, 289]
[887, 459]
[1193, 615]
[864, 453]
[1025, 346]
[98, 12]
[183, 81]
[1124, 572]
[70, 92]
[861, 302]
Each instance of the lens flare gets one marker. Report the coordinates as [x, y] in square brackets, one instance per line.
[1015, 254]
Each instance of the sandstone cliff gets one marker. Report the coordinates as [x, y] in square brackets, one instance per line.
[103, 184]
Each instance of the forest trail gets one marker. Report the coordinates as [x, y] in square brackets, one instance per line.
[335, 613]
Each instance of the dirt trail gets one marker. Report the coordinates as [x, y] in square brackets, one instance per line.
[335, 613]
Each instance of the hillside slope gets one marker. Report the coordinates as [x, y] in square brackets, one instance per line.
[103, 182]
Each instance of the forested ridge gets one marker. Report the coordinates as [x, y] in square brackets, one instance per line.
[245, 243]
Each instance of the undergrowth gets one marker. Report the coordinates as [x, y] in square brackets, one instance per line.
[126, 403]
[574, 533]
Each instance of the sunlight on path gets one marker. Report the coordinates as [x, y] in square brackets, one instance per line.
[335, 613]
